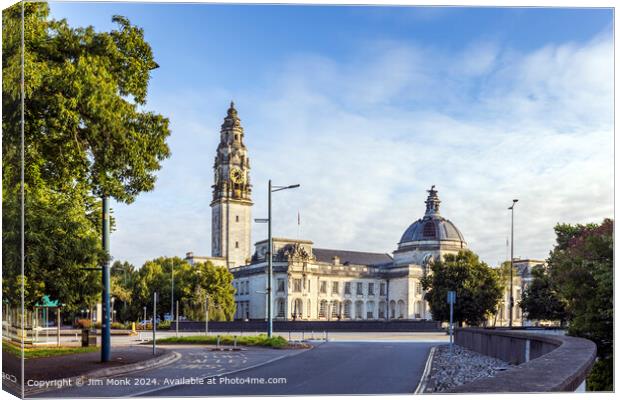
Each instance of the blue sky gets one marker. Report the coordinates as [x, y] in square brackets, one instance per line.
[366, 108]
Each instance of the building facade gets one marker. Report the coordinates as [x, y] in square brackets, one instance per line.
[312, 283]
[521, 280]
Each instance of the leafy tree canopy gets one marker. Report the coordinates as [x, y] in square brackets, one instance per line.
[581, 268]
[192, 283]
[540, 300]
[86, 135]
[477, 288]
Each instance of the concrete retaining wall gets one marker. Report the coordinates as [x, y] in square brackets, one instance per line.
[316, 326]
[549, 363]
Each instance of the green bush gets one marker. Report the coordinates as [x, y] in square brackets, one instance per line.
[601, 378]
[117, 325]
[164, 325]
[277, 342]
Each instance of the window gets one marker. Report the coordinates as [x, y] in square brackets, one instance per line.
[296, 285]
[236, 218]
[360, 288]
[382, 309]
[335, 287]
[401, 309]
[323, 309]
[335, 312]
[280, 285]
[371, 289]
[280, 308]
[370, 310]
[323, 288]
[347, 309]
[418, 288]
[347, 288]
[236, 245]
[382, 289]
[358, 309]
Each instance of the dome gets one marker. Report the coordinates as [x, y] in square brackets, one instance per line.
[432, 227]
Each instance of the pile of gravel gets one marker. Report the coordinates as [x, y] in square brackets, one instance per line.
[460, 367]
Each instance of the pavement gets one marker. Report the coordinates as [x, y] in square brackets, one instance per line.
[62, 369]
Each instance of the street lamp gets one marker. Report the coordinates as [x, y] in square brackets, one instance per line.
[172, 293]
[512, 237]
[269, 253]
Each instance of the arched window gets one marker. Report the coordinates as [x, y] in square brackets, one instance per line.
[323, 309]
[392, 309]
[401, 309]
[382, 309]
[298, 308]
[347, 309]
[370, 310]
[335, 309]
[280, 308]
[359, 305]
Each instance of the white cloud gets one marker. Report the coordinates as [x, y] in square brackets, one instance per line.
[366, 137]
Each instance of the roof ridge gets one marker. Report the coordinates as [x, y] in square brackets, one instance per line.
[352, 251]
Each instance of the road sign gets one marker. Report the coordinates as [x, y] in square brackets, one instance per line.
[451, 301]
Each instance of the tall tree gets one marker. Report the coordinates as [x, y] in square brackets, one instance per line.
[87, 135]
[477, 288]
[540, 300]
[192, 285]
[61, 227]
[581, 267]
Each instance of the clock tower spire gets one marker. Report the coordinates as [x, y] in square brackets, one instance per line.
[232, 204]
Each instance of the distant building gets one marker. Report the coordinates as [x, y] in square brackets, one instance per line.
[326, 284]
[521, 281]
[315, 283]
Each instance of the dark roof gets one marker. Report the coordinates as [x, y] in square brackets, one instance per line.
[351, 257]
[432, 228]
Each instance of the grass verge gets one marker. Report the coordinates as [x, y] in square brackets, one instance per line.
[40, 351]
[276, 342]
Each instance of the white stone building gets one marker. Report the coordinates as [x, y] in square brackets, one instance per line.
[313, 283]
[521, 279]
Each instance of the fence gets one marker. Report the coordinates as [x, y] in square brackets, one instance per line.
[318, 326]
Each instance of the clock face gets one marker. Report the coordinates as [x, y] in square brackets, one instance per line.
[236, 175]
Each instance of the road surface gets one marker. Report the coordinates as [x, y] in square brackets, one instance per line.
[339, 367]
[330, 368]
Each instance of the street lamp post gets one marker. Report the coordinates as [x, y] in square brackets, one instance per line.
[105, 280]
[270, 255]
[172, 292]
[512, 237]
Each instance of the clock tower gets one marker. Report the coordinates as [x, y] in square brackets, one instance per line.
[232, 205]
